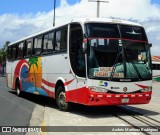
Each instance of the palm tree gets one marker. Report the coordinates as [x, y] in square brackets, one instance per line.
[32, 62]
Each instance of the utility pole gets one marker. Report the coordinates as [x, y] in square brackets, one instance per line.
[98, 5]
[54, 13]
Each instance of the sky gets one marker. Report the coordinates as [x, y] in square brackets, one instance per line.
[21, 18]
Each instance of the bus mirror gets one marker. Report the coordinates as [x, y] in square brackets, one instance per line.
[150, 45]
[84, 45]
[86, 48]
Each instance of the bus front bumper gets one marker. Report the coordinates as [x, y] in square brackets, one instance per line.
[96, 99]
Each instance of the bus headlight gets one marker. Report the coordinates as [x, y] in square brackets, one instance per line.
[147, 89]
[97, 89]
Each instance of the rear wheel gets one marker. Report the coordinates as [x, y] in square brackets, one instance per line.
[61, 99]
[18, 91]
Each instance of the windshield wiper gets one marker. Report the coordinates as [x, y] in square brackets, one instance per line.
[135, 67]
[115, 65]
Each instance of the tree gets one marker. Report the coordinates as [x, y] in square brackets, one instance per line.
[3, 52]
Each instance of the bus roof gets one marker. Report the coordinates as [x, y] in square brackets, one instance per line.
[83, 21]
[105, 20]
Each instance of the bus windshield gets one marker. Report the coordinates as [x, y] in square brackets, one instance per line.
[118, 52]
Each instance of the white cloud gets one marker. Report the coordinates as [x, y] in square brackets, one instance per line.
[15, 26]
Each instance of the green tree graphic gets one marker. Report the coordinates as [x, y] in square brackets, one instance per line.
[32, 62]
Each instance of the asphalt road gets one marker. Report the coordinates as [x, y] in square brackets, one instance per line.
[17, 111]
[14, 111]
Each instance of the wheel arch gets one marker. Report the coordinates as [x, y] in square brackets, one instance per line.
[61, 82]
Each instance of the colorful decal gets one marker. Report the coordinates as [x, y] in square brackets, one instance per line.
[32, 77]
[30, 73]
[103, 83]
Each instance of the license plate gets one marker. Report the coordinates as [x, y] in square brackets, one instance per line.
[124, 100]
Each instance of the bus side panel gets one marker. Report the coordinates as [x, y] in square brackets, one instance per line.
[54, 67]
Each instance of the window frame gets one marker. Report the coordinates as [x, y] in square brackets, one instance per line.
[60, 29]
[33, 45]
[26, 46]
[22, 50]
[16, 54]
[47, 34]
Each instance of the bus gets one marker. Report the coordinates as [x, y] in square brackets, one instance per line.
[156, 68]
[92, 61]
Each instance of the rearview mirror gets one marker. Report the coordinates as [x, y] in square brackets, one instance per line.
[84, 45]
[150, 45]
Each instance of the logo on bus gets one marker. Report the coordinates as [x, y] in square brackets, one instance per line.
[103, 83]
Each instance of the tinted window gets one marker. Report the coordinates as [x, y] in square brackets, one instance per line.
[28, 48]
[156, 66]
[48, 43]
[20, 50]
[9, 52]
[61, 39]
[14, 52]
[100, 30]
[37, 46]
[133, 32]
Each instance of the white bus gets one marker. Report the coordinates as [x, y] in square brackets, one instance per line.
[156, 70]
[94, 62]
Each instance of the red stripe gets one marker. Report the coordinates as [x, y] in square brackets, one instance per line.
[67, 83]
[17, 70]
[142, 86]
[48, 83]
[53, 85]
[118, 39]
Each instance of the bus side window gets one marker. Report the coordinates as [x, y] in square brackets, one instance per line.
[28, 48]
[37, 49]
[154, 66]
[158, 66]
[20, 50]
[61, 40]
[45, 44]
[14, 52]
[9, 53]
[48, 43]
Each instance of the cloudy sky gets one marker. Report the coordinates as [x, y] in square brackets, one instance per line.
[20, 18]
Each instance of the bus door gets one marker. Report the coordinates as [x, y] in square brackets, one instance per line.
[77, 58]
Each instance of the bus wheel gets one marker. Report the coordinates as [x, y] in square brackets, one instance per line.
[18, 91]
[61, 99]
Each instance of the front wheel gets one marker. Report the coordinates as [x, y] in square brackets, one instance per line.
[61, 99]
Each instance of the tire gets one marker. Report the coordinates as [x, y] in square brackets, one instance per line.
[18, 91]
[60, 99]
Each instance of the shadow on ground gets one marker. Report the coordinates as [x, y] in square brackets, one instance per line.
[86, 111]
